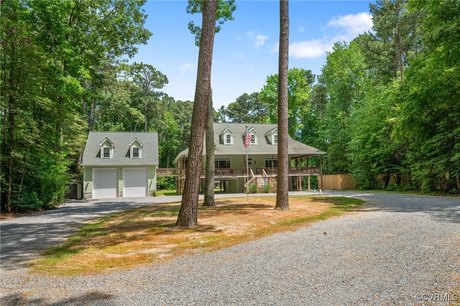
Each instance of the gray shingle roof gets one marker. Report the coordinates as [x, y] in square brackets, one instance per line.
[121, 141]
[263, 146]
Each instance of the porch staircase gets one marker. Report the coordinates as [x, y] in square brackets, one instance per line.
[261, 180]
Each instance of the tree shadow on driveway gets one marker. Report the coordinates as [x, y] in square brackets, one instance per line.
[440, 208]
[93, 297]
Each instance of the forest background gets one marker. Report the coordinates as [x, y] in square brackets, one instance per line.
[386, 105]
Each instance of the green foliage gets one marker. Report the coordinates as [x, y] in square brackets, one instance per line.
[56, 58]
[246, 109]
[267, 187]
[343, 76]
[166, 183]
[253, 188]
[225, 9]
[300, 83]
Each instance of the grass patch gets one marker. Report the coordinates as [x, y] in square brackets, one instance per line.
[148, 234]
[166, 192]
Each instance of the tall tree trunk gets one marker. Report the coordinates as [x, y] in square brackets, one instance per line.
[210, 150]
[282, 189]
[188, 213]
[11, 127]
[91, 115]
[146, 123]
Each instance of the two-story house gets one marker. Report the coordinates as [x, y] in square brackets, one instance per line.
[120, 164]
[230, 157]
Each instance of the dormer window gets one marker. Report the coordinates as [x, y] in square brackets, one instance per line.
[135, 152]
[135, 149]
[272, 136]
[227, 136]
[106, 152]
[106, 149]
[253, 134]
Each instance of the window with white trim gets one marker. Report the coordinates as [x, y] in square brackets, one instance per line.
[135, 152]
[106, 152]
[275, 139]
[228, 138]
[222, 163]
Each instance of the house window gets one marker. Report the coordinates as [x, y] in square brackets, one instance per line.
[253, 139]
[228, 139]
[275, 139]
[271, 163]
[106, 152]
[135, 152]
[222, 164]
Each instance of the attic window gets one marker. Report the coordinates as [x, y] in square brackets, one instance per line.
[275, 139]
[135, 149]
[135, 152]
[106, 152]
[228, 139]
[106, 149]
[227, 136]
[253, 138]
[253, 134]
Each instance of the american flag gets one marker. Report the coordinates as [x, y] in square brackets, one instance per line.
[247, 138]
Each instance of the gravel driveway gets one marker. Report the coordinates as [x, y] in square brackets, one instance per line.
[400, 249]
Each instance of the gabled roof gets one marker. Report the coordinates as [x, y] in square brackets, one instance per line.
[263, 146]
[227, 129]
[121, 142]
[272, 131]
[136, 140]
[107, 140]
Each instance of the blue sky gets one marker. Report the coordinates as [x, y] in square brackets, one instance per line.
[245, 50]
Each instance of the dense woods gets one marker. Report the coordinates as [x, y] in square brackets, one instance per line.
[385, 108]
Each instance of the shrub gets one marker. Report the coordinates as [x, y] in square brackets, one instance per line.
[267, 187]
[253, 188]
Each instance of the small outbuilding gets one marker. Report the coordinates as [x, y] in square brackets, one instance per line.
[120, 164]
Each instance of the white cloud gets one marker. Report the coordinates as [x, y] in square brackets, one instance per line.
[346, 29]
[310, 48]
[353, 24]
[257, 40]
[185, 67]
[260, 40]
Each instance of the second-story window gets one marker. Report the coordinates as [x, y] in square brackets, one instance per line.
[275, 139]
[106, 152]
[135, 152]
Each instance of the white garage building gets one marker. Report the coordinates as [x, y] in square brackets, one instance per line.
[120, 164]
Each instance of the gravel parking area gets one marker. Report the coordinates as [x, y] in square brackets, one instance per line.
[400, 249]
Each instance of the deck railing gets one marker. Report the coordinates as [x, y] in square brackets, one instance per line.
[222, 173]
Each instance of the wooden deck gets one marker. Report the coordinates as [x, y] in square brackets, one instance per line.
[239, 173]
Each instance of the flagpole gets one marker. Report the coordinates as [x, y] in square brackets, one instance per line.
[247, 163]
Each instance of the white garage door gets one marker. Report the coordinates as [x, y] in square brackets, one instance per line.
[105, 182]
[135, 182]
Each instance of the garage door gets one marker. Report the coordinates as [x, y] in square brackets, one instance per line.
[105, 182]
[135, 182]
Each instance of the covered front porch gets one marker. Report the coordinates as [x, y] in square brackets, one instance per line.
[236, 173]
